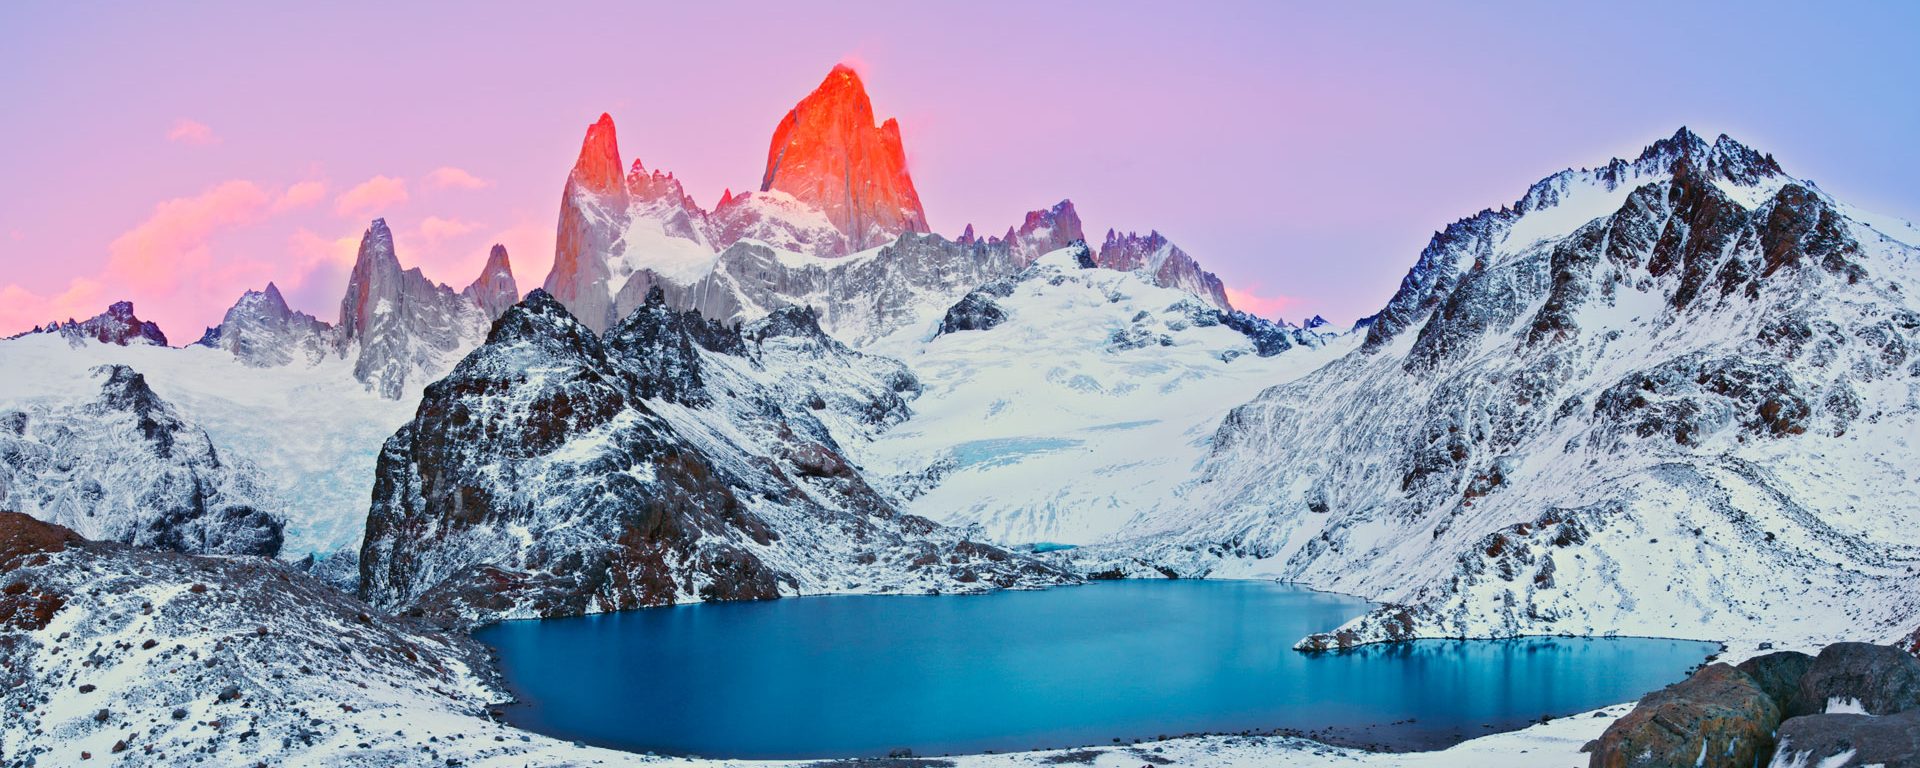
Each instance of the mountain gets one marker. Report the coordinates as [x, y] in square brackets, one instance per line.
[117, 325]
[494, 290]
[836, 224]
[828, 154]
[1164, 262]
[1062, 400]
[1670, 396]
[403, 326]
[399, 328]
[125, 466]
[261, 330]
[554, 472]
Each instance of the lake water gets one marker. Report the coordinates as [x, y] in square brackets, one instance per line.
[861, 676]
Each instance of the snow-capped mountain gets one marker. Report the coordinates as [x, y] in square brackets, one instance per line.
[554, 472]
[125, 466]
[398, 327]
[401, 326]
[1164, 262]
[1672, 396]
[261, 330]
[1060, 401]
[836, 224]
[117, 325]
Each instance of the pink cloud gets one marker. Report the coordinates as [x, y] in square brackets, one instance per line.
[21, 309]
[300, 195]
[434, 229]
[191, 132]
[174, 240]
[372, 197]
[1250, 300]
[449, 177]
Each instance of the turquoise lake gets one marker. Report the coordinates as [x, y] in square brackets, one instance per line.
[851, 676]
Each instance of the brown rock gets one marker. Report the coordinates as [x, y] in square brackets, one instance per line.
[1718, 718]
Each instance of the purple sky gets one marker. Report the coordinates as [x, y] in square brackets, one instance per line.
[175, 155]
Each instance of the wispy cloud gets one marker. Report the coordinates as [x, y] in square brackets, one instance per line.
[449, 177]
[434, 229]
[1252, 299]
[173, 241]
[371, 197]
[300, 195]
[191, 132]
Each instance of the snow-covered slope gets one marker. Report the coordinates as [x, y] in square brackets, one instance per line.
[1673, 396]
[124, 466]
[312, 431]
[555, 473]
[1063, 401]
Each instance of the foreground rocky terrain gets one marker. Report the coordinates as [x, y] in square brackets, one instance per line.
[1854, 704]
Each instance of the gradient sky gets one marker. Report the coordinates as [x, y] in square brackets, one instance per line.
[178, 154]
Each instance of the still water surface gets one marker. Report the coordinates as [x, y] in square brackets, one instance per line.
[860, 676]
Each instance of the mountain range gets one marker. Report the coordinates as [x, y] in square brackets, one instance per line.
[1670, 396]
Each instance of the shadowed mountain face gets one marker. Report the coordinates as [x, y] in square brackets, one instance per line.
[555, 472]
[128, 467]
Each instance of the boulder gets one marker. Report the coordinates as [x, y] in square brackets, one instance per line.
[1778, 674]
[1718, 718]
[1862, 677]
[1846, 740]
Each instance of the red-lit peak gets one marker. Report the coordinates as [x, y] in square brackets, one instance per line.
[598, 168]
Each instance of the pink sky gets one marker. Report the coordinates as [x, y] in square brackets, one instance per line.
[176, 156]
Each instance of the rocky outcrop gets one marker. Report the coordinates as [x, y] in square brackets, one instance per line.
[494, 290]
[1849, 741]
[974, 312]
[262, 331]
[1859, 677]
[400, 325]
[554, 473]
[1718, 718]
[117, 325]
[1164, 262]
[1856, 704]
[828, 153]
[128, 467]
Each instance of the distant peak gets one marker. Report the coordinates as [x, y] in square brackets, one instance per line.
[598, 168]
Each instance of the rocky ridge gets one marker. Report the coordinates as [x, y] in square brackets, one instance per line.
[127, 467]
[554, 472]
[1614, 405]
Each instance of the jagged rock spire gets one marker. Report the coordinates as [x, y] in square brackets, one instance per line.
[828, 153]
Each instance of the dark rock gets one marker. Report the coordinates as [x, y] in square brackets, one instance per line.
[1778, 674]
[1851, 740]
[974, 312]
[1718, 718]
[1881, 679]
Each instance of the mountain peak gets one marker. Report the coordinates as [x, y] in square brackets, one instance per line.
[598, 168]
[827, 152]
[495, 289]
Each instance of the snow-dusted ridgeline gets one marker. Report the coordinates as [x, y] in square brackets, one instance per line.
[1673, 396]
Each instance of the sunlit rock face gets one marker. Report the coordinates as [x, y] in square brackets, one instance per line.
[593, 216]
[828, 153]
